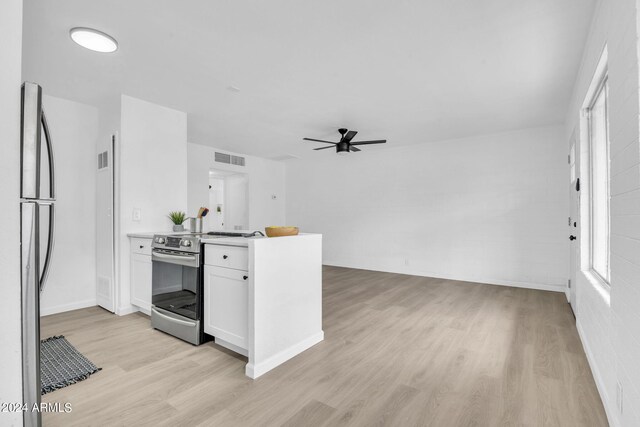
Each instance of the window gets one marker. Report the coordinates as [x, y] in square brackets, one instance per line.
[598, 116]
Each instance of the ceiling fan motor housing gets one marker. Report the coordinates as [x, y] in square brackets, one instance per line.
[342, 147]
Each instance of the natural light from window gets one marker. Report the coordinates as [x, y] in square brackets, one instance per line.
[599, 150]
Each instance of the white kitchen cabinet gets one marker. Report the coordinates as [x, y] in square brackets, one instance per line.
[141, 273]
[226, 306]
[263, 297]
[227, 256]
[141, 246]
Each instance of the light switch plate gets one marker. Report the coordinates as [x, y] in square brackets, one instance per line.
[137, 214]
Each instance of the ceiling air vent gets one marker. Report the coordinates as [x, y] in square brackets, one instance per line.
[229, 159]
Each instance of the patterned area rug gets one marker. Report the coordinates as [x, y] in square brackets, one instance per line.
[62, 365]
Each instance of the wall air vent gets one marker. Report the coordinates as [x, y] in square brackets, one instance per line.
[237, 160]
[229, 159]
[223, 158]
[103, 160]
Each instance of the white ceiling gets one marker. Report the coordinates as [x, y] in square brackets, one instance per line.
[410, 71]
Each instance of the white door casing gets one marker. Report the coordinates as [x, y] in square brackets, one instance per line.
[574, 220]
[105, 239]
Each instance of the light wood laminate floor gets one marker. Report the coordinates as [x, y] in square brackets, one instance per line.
[399, 350]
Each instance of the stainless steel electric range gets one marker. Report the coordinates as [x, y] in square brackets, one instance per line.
[177, 284]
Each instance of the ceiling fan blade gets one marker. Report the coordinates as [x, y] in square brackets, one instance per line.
[323, 148]
[379, 141]
[352, 148]
[319, 140]
[349, 136]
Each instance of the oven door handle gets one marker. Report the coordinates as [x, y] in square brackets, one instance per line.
[187, 260]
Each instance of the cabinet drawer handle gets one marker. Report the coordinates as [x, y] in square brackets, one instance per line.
[141, 247]
[225, 256]
[245, 277]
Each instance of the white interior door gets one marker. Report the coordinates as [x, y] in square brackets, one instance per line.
[574, 219]
[105, 293]
[236, 216]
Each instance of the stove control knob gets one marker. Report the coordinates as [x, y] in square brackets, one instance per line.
[160, 240]
[186, 243]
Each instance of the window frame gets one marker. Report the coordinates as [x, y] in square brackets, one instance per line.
[600, 87]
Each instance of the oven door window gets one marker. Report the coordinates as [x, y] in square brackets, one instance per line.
[175, 288]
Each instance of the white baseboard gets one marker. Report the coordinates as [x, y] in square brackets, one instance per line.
[141, 306]
[480, 280]
[46, 311]
[126, 309]
[255, 370]
[144, 311]
[232, 347]
[613, 421]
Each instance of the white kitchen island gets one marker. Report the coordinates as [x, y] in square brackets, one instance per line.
[263, 297]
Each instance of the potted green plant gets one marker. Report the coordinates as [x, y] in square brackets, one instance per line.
[177, 218]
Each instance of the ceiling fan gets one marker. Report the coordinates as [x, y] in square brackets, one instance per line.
[345, 145]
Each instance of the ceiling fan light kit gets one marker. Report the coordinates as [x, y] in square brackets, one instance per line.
[345, 145]
[342, 148]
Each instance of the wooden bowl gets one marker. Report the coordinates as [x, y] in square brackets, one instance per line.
[277, 231]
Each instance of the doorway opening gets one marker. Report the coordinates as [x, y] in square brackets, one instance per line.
[228, 200]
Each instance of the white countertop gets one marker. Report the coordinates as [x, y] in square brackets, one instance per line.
[229, 241]
[244, 241]
[141, 235]
[150, 234]
[211, 240]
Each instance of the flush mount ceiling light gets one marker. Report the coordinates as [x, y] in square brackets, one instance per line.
[93, 39]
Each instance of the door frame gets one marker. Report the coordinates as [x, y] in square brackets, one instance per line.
[110, 303]
[574, 219]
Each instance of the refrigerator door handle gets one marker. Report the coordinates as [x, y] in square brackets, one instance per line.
[50, 242]
[47, 137]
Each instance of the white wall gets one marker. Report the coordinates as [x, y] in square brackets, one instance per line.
[152, 175]
[609, 323]
[489, 209]
[72, 281]
[10, 80]
[266, 179]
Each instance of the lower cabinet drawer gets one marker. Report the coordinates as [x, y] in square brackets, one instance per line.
[141, 246]
[235, 257]
[226, 306]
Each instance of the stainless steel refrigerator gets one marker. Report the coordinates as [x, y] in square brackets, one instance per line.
[37, 209]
